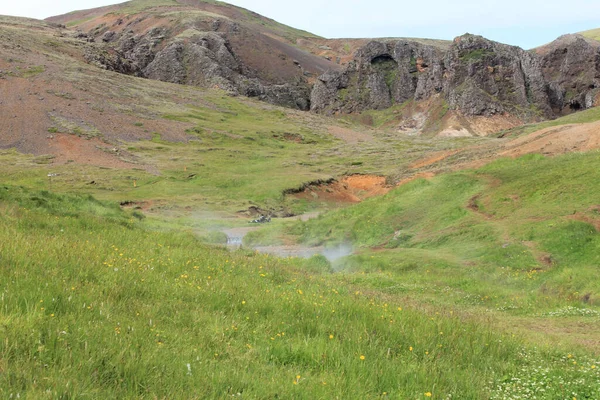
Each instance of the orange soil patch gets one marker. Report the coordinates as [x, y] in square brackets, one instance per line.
[351, 189]
[348, 135]
[369, 185]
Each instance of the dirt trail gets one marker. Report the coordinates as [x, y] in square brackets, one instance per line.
[549, 141]
[433, 159]
[349, 135]
[556, 140]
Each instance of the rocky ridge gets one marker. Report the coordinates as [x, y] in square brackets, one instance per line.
[209, 44]
[473, 75]
[193, 57]
[202, 44]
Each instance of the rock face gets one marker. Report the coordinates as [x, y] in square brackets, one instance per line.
[571, 66]
[192, 57]
[475, 76]
[382, 73]
[483, 77]
[472, 75]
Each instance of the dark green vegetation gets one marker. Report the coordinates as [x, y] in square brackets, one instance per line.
[94, 305]
[476, 55]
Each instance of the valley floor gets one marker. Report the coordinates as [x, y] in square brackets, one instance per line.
[450, 268]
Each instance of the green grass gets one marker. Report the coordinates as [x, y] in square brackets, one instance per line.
[102, 308]
[475, 55]
[515, 236]
[249, 18]
[137, 6]
[592, 34]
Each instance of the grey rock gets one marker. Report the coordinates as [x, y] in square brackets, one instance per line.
[474, 75]
[204, 58]
[381, 74]
[571, 67]
[109, 36]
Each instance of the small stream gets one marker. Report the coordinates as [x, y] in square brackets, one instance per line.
[235, 238]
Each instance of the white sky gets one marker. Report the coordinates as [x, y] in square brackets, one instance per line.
[527, 23]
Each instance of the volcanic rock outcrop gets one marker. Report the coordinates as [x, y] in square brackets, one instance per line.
[571, 67]
[212, 44]
[193, 57]
[208, 44]
[475, 76]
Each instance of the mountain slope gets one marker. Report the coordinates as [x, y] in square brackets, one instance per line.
[201, 43]
[470, 86]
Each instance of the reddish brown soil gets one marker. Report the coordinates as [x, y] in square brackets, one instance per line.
[350, 189]
[71, 148]
[46, 93]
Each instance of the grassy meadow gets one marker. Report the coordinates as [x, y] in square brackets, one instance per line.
[476, 284]
[519, 236]
[94, 305]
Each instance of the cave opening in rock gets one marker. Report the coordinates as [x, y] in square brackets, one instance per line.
[383, 60]
[575, 105]
[387, 66]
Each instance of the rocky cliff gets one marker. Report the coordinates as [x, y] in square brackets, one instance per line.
[203, 44]
[475, 76]
[571, 68]
[212, 44]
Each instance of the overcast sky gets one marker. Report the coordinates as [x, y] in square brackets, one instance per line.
[526, 23]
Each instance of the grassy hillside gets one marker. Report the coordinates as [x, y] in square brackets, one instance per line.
[581, 117]
[93, 305]
[515, 239]
[472, 285]
[592, 34]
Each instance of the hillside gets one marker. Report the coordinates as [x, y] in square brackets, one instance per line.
[120, 312]
[202, 43]
[471, 86]
[415, 249]
[592, 34]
